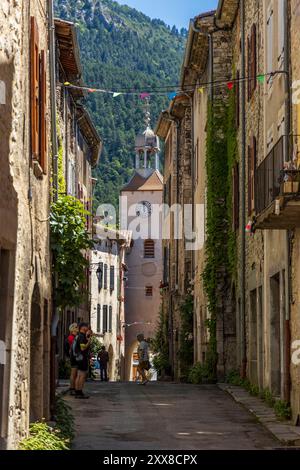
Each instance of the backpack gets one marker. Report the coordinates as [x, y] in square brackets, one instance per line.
[76, 353]
[67, 350]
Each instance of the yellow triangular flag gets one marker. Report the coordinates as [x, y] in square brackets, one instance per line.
[67, 83]
[201, 90]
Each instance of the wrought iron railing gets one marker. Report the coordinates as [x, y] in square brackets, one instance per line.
[274, 170]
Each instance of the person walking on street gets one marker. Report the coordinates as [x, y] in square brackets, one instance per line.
[143, 358]
[73, 329]
[103, 359]
[81, 349]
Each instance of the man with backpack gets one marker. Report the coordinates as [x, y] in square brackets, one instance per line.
[143, 358]
[81, 351]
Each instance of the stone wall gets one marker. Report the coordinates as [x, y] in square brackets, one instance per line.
[24, 231]
[295, 294]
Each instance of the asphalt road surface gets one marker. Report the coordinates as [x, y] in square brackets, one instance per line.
[164, 416]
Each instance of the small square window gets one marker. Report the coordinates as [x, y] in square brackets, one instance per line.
[149, 291]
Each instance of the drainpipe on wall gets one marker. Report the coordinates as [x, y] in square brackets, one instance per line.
[52, 66]
[243, 196]
[288, 281]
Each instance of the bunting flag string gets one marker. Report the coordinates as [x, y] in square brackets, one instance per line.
[171, 94]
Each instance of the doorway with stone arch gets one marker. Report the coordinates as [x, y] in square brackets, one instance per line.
[36, 356]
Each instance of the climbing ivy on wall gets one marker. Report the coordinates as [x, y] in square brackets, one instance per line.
[186, 342]
[217, 169]
[160, 343]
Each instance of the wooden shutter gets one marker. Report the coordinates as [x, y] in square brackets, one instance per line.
[249, 180]
[251, 175]
[100, 276]
[112, 278]
[105, 276]
[34, 92]
[98, 319]
[248, 66]
[252, 61]
[43, 107]
[105, 319]
[110, 319]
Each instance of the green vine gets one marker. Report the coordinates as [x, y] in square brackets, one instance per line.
[217, 220]
[160, 344]
[69, 239]
[186, 342]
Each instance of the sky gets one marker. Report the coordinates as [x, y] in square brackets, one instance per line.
[172, 12]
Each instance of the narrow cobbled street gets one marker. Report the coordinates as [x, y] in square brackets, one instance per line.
[126, 416]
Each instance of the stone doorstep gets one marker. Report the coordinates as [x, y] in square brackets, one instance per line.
[287, 434]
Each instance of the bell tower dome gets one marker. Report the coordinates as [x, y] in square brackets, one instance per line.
[147, 147]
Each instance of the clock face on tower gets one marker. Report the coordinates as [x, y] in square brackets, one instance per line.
[143, 209]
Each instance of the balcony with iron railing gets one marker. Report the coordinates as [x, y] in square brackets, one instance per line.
[277, 196]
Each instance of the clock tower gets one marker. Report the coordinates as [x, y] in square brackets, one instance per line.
[141, 196]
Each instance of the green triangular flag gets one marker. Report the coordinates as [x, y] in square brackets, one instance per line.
[261, 78]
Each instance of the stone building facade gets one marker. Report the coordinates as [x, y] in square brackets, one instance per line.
[187, 117]
[26, 177]
[253, 48]
[25, 278]
[141, 200]
[108, 277]
[174, 127]
[264, 327]
[79, 149]
[295, 130]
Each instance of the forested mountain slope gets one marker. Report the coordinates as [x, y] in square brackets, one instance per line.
[122, 49]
